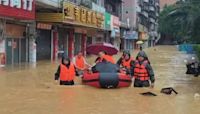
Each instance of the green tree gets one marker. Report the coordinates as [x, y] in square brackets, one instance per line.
[181, 21]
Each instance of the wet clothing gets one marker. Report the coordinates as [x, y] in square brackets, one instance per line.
[140, 72]
[65, 73]
[80, 62]
[127, 63]
[144, 69]
[119, 62]
[139, 83]
[105, 67]
[108, 58]
[67, 82]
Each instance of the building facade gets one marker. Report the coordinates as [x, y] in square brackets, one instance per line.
[129, 17]
[72, 25]
[17, 31]
[148, 21]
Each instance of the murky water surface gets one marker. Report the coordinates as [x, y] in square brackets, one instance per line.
[30, 89]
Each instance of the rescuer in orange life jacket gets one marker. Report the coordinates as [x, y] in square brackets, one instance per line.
[125, 61]
[80, 63]
[104, 55]
[142, 71]
[66, 72]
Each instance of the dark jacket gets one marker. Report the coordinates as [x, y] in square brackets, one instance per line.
[148, 66]
[143, 54]
[105, 67]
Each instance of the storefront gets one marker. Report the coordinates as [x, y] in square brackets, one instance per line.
[62, 44]
[78, 22]
[115, 31]
[17, 31]
[130, 39]
[44, 41]
[143, 35]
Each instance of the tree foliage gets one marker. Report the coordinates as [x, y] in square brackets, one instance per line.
[182, 21]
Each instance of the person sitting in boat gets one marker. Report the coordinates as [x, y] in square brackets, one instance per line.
[122, 57]
[104, 55]
[142, 71]
[80, 63]
[125, 62]
[105, 67]
[65, 72]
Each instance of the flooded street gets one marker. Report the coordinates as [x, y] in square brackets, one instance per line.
[31, 89]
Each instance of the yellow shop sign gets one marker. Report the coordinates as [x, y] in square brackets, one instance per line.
[82, 15]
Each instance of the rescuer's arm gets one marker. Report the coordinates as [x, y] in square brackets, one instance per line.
[57, 74]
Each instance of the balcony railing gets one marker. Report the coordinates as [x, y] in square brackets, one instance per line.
[151, 8]
[157, 14]
[152, 20]
[157, 4]
[147, 1]
[138, 8]
[145, 14]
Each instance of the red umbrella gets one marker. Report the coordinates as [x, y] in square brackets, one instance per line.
[96, 48]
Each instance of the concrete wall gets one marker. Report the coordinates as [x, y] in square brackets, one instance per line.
[129, 12]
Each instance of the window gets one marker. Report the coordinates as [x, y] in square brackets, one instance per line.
[27, 5]
[5, 2]
[15, 3]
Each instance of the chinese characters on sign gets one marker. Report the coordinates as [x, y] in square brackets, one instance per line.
[83, 15]
[20, 4]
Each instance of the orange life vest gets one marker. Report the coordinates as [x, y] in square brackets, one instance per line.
[108, 58]
[67, 74]
[127, 64]
[80, 62]
[140, 71]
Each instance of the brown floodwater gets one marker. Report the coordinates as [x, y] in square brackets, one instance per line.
[30, 89]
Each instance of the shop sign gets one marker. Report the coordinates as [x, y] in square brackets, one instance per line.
[25, 8]
[44, 26]
[82, 15]
[27, 4]
[107, 21]
[115, 22]
[131, 35]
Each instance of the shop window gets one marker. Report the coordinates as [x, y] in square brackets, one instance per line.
[15, 3]
[98, 39]
[27, 5]
[5, 2]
